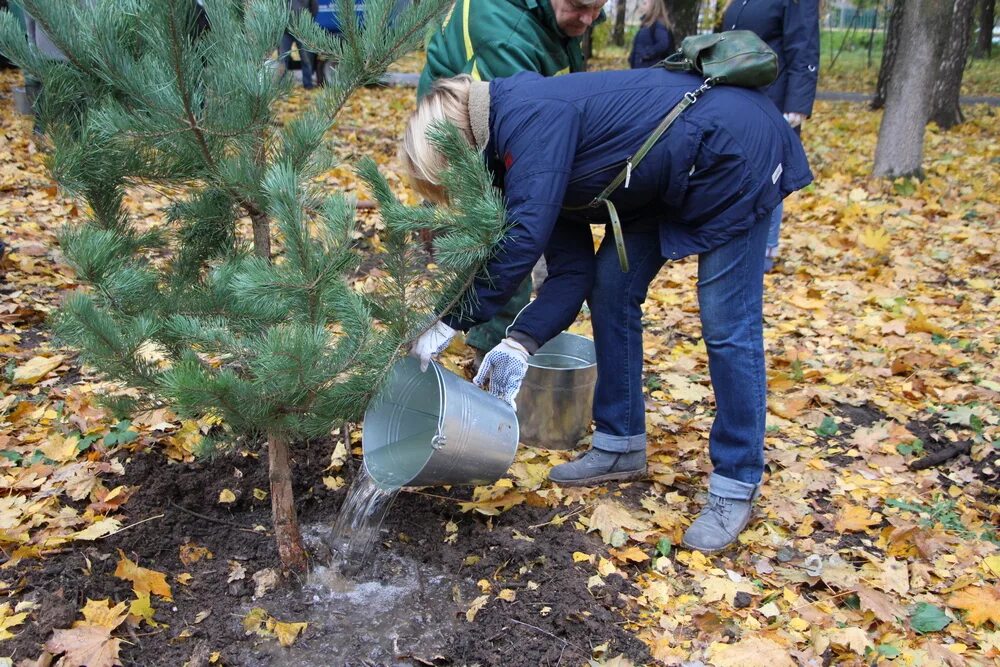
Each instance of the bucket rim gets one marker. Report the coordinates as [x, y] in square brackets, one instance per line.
[564, 335]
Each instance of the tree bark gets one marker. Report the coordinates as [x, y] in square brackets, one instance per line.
[261, 235]
[900, 148]
[984, 38]
[286, 524]
[618, 34]
[888, 54]
[685, 16]
[945, 108]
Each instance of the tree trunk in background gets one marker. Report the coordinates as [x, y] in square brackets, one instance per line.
[984, 39]
[945, 108]
[618, 34]
[685, 16]
[286, 524]
[900, 149]
[587, 44]
[888, 54]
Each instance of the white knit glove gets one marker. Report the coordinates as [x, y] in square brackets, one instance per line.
[794, 119]
[431, 343]
[504, 368]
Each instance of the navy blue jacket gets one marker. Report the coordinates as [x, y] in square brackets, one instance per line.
[791, 28]
[652, 44]
[722, 167]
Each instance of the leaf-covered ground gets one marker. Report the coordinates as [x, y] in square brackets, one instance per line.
[882, 340]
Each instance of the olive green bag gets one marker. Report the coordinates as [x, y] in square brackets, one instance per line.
[735, 58]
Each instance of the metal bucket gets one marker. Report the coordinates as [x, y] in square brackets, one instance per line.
[557, 395]
[23, 102]
[433, 428]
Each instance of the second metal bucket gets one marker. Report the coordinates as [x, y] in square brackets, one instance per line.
[433, 427]
[556, 397]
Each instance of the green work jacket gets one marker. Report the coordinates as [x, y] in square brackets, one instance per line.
[493, 38]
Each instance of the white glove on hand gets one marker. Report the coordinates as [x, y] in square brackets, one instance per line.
[431, 343]
[504, 368]
[794, 119]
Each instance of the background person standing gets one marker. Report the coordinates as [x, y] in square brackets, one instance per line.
[655, 39]
[791, 28]
[305, 57]
[498, 38]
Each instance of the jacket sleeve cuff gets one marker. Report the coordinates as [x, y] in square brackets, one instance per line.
[529, 343]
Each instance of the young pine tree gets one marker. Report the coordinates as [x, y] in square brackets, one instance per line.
[255, 323]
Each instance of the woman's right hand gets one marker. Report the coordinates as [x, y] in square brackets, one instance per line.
[431, 343]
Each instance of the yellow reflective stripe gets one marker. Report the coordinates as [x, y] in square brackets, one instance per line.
[469, 54]
[475, 72]
[447, 19]
[564, 70]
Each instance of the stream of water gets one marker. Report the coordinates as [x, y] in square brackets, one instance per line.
[357, 527]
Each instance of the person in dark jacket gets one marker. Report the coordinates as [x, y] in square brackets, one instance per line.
[494, 38]
[791, 28]
[655, 39]
[306, 58]
[706, 188]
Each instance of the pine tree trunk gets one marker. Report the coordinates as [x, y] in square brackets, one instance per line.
[888, 54]
[945, 108]
[900, 148]
[618, 34]
[286, 525]
[984, 39]
[261, 234]
[685, 16]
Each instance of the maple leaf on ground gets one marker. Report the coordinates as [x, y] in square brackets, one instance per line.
[85, 646]
[750, 651]
[35, 369]
[875, 238]
[98, 529]
[982, 604]
[89, 642]
[143, 580]
[611, 519]
[855, 518]
[883, 606]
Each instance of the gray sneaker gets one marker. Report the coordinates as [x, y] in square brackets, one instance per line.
[596, 466]
[721, 521]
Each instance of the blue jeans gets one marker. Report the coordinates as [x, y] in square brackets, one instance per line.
[730, 293]
[305, 56]
[774, 226]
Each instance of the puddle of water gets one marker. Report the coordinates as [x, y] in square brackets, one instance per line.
[401, 614]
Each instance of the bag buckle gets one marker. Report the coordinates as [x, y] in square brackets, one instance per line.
[690, 97]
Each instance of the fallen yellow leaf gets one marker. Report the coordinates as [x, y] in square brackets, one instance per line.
[143, 580]
[227, 496]
[855, 518]
[288, 632]
[981, 603]
[36, 368]
[477, 604]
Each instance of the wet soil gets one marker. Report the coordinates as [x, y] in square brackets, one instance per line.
[408, 608]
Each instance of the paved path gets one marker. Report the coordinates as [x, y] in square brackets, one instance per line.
[407, 79]
[865, 97]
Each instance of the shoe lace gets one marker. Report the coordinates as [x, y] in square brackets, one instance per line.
[719, 506]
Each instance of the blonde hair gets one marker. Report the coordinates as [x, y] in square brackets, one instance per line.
[448, 100]
[659, 14]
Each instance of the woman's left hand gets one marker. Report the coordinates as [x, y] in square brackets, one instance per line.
[504, 367]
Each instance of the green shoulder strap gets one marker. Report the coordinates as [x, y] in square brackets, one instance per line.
[625, 175]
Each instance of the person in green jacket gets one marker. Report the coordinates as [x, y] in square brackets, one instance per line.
[498, 38]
